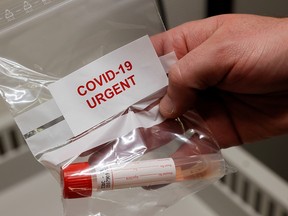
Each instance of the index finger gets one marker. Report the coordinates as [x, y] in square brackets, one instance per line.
[184, 38]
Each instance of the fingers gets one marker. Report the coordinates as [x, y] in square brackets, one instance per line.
[186, 37]
[178, 97]
[162, 43]
[196, 63]
[201, 68]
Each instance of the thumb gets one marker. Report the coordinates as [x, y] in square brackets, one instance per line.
[200, 69]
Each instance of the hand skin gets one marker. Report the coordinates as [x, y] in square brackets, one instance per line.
[233, 69]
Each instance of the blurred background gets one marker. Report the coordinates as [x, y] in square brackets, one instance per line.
[176, 12]
[260, 187]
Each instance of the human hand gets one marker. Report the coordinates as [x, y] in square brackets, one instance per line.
[233, 69]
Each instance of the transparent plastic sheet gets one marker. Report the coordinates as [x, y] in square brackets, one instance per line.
[66, 36]
[42, 44]
[196, 156]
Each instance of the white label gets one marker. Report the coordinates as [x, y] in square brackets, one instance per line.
[137, 174]
[109, 85]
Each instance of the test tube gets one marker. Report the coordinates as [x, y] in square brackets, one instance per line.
[82, 179]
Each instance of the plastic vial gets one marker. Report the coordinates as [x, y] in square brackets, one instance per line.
[82, 179]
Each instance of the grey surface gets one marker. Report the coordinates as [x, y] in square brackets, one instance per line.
[276, 8]
[273, 153]
[220, 202]
[181, 11]
[18, 169]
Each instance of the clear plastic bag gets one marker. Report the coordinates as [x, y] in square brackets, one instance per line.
[145, 190]
[169, 158]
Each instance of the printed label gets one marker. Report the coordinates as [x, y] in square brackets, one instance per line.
[137, 174]
[109, 85]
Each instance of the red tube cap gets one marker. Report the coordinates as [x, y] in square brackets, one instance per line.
[76, 181]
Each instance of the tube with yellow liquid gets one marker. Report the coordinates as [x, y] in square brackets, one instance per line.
[82, 179]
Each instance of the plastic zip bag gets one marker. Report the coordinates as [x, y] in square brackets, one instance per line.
[134, 163]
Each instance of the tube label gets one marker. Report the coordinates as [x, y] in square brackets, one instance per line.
[136, 174]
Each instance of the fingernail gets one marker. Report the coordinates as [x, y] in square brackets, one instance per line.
[166, 106]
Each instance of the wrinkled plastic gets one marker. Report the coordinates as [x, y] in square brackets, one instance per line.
[184, 138]
[43, 44]
[47, 45]
[191, 149]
